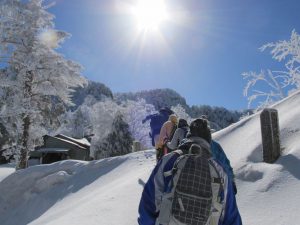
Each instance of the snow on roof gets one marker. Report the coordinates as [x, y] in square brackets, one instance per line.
[70, 142]
[82, 141]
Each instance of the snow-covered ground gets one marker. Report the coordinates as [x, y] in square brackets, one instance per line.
[6, 170]
[268, 194]
[107, 192]
[76, 192]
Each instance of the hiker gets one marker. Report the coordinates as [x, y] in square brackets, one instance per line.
[179, 135]
[166, 133]
[219, 154]
[156, 122]
[188, 186]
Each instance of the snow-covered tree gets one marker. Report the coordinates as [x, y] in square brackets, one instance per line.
[119, 140]
[93, 89]
[35, 73]
[270, 86]
[274, 85]
[135, 112]
[157, 97]
[181, 113]
[76, 124]
[92, 117]
[289, 53]
[96, 117]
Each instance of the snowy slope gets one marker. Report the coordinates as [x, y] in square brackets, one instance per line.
[268, 193]
[107, 192]
[75, 192]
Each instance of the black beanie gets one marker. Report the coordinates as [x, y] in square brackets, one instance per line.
[182, 123]
[200, 128]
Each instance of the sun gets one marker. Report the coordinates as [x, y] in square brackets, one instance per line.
[150, 14]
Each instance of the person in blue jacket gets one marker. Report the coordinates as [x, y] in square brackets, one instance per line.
[157, 184]
[156, 122]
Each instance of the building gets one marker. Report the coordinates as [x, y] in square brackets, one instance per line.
[60, 147]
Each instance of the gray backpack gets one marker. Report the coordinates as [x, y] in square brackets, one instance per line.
[195, 190]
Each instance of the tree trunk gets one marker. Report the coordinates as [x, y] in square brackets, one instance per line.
[24, 147]
[26, 122]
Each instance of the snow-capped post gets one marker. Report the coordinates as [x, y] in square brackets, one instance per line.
[270, 135]
[136, 146]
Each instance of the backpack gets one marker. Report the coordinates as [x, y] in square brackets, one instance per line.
[195, 193]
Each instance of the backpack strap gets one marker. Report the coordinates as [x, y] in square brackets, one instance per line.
[167, 200]
[172, 132]
[218, 184]
[185, 145]
[171, 172]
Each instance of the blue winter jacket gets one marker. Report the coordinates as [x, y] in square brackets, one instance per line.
[156, 122]
[157, 185]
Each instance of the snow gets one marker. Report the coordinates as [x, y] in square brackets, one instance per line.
[82, 141]
[6, 170]
[107, 191]
[76, 192]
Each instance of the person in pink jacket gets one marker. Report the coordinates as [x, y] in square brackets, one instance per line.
[165, 135]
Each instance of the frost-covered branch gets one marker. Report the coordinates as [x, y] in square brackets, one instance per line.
[273, 93]
[275, 83]
[181, 113]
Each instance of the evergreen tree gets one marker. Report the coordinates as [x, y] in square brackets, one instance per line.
[119, 140]
[135, 112]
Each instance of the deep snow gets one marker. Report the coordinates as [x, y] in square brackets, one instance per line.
[107, 191]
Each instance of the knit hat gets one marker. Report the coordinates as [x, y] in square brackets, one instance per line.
[182, 123]
[200, 128]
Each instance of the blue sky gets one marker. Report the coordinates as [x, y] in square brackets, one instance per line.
[200, 51]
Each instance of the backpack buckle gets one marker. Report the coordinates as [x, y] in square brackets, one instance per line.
[217, 180]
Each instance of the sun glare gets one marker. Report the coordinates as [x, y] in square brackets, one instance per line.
[150, 13]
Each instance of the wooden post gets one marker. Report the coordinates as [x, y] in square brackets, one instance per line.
[270, 135]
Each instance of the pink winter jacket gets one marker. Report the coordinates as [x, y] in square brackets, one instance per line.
[166, 131]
